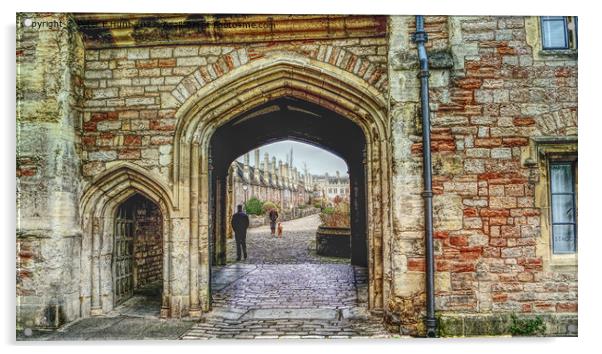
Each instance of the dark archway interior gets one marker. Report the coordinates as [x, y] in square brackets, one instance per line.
[138, 253]
[288, 119]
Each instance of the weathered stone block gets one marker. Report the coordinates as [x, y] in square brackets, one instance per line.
[138, 53]
[102, 155]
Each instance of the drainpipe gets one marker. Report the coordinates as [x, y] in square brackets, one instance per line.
[420, 37]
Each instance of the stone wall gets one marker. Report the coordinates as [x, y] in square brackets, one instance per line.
[132, 94]
[494, 95]
[50, 64]
[295, 213]
[148, 245]
[500, 94]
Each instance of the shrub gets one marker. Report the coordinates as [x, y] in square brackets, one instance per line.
[527, 326]
[254, 206]
[328, 210]
[336, 216]
[267, 206]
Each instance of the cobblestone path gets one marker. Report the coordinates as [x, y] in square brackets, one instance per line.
[285, 290]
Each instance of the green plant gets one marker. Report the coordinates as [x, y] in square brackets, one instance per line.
[254, 206]
[328, 210]
[336, 216]
[527, 326]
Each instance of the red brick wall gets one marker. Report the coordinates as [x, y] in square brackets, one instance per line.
[483, 121]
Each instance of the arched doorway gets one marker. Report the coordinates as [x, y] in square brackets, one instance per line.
[137, 261]
[206, 108]
[295, 119]
[115, 204]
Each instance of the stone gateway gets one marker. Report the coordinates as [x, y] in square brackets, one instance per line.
[127, 126]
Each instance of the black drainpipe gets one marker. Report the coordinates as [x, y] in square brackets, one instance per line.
[420, 37]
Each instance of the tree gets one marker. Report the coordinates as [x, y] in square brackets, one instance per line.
[254, 206]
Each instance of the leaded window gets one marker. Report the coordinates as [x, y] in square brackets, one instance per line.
[558, 32]
[563, 206]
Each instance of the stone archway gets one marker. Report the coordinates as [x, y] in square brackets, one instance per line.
[294, 119]
[99, 204]
[248, 86]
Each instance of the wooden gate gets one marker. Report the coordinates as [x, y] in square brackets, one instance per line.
[123, 255]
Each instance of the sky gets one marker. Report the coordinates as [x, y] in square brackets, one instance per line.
[318, 160]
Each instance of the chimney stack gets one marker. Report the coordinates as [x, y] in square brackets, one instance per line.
[266, 165]
[274, 174]
[257, 169]
[246, 171]
[286, 175]
[280, 174]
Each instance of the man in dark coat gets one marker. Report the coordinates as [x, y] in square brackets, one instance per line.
[240, 223]
[273, 215]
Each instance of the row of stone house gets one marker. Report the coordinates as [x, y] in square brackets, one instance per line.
[267, 180]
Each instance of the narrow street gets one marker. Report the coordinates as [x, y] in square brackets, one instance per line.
[285, 290]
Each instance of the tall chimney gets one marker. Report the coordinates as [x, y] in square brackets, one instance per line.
[287, 176]
[296, 176]
[266, 166]
[274, 169]
[246, 171]
[257, 169]
[280, 174]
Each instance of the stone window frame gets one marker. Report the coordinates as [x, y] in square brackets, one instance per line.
[535, 40]
[570, 31]
[543, 150]
[564, 159]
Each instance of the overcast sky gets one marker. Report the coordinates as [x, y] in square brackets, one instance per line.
[318, 160]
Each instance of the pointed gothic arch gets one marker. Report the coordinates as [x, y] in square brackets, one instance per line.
[258, 82]
[98, 206]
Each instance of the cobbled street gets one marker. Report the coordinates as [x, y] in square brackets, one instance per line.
[285, 290]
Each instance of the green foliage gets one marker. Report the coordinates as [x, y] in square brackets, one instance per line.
[328, 210]
[336, 216]
[527, 326]
[267, 206]
[254, 206]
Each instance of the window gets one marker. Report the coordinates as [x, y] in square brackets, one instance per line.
[558, 32]
[563, 206]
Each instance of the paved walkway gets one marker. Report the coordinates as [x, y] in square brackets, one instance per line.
[285, 290]
[297, 245]
[135, 319]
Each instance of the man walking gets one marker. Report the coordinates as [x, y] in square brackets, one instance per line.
[240, 223]
[273, 215]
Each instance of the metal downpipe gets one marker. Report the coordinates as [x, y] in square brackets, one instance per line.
[420, 38]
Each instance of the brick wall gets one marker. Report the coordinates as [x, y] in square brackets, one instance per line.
[488, 223]
[132, 94]
[148, 245]
[492, 92]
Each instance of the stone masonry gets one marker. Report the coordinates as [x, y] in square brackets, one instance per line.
[100, 117]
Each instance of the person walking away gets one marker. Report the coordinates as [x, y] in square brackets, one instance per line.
[273, 218]
[240, 223]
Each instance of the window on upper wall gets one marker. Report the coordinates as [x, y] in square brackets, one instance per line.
[559, 32]
[563, 206]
